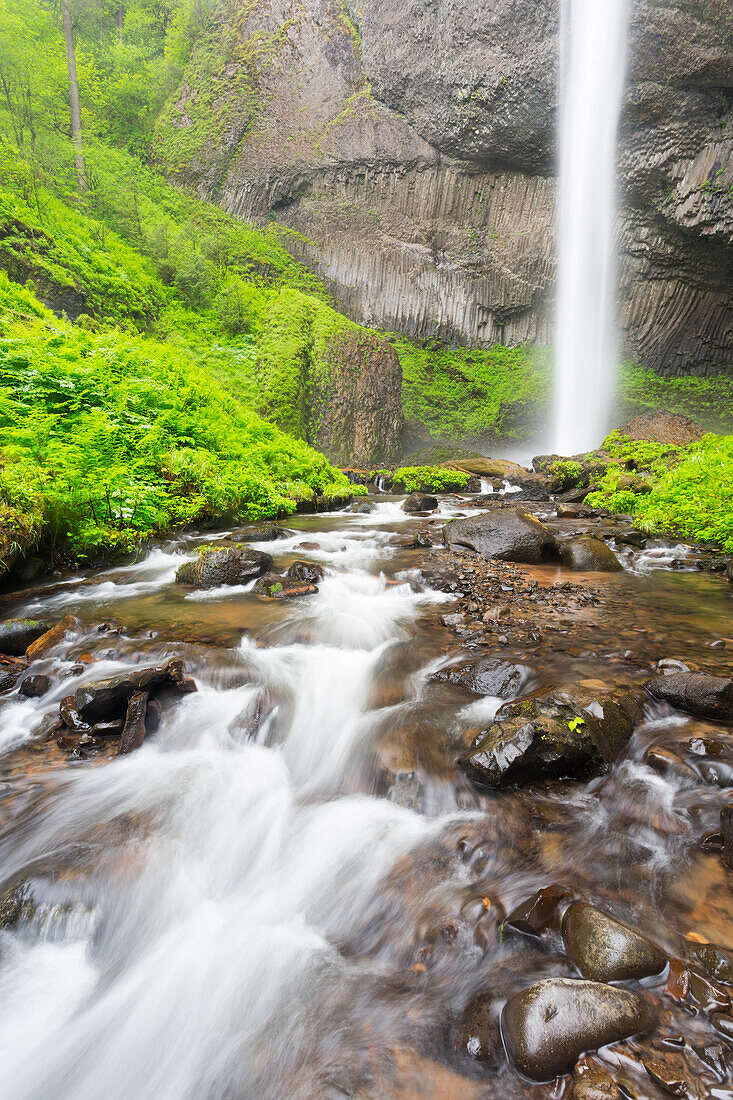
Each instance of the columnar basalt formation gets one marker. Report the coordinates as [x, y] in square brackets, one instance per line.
[411, 144]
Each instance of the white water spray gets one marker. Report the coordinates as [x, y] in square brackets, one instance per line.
[593, 69]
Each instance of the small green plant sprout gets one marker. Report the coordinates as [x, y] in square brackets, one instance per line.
[574, 724]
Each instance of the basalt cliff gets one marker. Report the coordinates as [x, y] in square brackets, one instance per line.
[410, 147]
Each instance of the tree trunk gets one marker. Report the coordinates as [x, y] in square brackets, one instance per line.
[82, 182]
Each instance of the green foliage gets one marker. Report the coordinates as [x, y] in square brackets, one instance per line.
[465, 394]
[437, 479]
[709, 401]
[692, 488]
[566, 474]
[297, 331]
[108, 438]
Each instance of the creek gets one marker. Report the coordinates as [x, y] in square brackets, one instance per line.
[290, 891]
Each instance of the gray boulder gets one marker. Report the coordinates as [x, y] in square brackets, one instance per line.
[696, 692]
[17, 634]
[226, 564]
[506, 534]
[587, 554]
[487, 676]
[605, 949]
[549, 1025]
[551, 737]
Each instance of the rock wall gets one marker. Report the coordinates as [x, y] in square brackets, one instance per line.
[330, 382]
[410, 146]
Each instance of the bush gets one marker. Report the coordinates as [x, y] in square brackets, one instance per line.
[436, 479]
[692, 488]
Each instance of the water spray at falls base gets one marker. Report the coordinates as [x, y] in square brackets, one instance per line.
[593, 67]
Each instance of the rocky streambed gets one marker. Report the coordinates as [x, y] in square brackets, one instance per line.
[417, 799]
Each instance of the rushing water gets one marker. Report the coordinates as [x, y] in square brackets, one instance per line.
[251, 906]
[593, 69]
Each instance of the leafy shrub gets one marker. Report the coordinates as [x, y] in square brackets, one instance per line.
[108, 438]
[566, 474]
[429, 478]
[692, 488]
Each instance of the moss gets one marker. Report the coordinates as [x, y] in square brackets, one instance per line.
[464, 394]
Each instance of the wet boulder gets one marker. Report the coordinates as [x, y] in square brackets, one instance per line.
[549, 1025]
[103, 699]
[551, 737]
[134, 729]
[308, 572]
[487, 676]
[279, 587]
[33, 687]
[362, 507]
[17, 634]
[265, 532]
[605, 949]
[695, 692]
[506, 534]
[420, 502]
[590, 555]
[226, 564]
[539, 913]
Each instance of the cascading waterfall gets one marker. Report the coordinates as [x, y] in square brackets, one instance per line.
[593, 69]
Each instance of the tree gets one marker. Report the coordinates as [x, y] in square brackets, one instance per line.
[82, 181]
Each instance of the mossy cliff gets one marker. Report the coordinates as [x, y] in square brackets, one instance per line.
[324, 379]
[411, 147]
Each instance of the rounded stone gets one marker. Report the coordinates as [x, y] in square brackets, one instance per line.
[606, 950]
[549, 1025]
[590, 555]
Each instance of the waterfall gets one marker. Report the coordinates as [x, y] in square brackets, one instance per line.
[594, 36]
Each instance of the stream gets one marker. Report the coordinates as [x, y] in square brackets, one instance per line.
[290, 890]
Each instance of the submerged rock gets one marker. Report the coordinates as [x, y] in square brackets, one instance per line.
[487, 676]
[696, 692]
[549, 1025]
[717, 962]
[479, 1030]
[593, 1083]
[17, 634]
[108, 698]
[587, 554]
[726, 832]
[229, 564]
[420, 502]
[507, 534]
[606, 950]
[551, 737]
